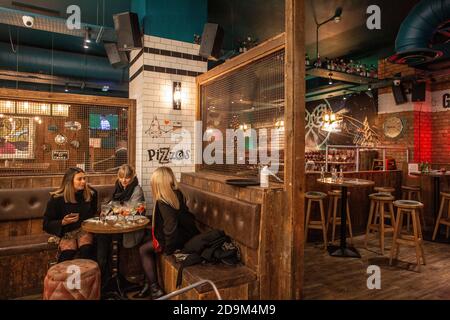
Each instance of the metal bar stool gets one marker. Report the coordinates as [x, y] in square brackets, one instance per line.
[378, 202]
[315, 196]
[408, 208]
[335, 196]
[445, 221]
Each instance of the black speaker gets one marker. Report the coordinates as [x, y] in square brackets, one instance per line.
[399, 94]
[418, 91]
[128, 32]
[212, 38]
[118, 59]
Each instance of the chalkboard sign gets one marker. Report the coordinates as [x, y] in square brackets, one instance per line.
[60, 155]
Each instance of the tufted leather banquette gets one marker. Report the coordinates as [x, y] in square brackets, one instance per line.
[19, 252]
[21, 204]
[241, 221]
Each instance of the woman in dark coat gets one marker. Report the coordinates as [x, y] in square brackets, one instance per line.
[173, 226]
[127, 190]
[72, 203]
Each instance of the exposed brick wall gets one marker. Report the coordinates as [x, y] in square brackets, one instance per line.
[388, 70]
[427, 133]
[441, 137]
[422, 136]
[406, 140]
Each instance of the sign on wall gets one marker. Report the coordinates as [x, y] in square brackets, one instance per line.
[60, 155]
[165, 155]
[446, 101]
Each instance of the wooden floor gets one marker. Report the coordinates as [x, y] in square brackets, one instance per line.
[330, 278]
[346, 278]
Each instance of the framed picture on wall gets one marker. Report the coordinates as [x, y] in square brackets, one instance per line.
[16, 138]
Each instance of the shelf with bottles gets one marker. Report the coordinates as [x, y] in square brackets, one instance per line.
[343, 65]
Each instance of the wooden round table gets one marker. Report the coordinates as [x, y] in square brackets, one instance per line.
[343, 250]
[96, 226]
[436, 175]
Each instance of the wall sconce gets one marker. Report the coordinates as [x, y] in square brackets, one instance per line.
[177, 95]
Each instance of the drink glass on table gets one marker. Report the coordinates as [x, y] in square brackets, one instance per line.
[105, 210]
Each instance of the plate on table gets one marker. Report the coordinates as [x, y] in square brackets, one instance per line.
[242, 182]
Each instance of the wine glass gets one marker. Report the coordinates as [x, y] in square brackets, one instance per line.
[105, 209]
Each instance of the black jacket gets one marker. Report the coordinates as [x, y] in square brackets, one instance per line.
[57, 208]
[173, 228]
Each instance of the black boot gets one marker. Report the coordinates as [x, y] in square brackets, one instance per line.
[66, 255]
[86, 252]
[144, 293]
[156, 291]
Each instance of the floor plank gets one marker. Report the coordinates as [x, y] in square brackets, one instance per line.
[346, 278]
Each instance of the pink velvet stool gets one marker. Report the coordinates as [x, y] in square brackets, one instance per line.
[77, 279]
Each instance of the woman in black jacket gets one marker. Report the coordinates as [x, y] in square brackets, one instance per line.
[72, 203]
[173, 226]
[127, 190]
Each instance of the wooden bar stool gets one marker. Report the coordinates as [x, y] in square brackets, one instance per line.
[315, 196]
[378, 202]
[412, 193]
[445, 221]
[408, 208]
[389, 190]
[335, 196]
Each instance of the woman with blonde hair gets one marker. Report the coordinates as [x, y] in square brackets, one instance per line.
[72, 203]
[173, 227]
[127, 190]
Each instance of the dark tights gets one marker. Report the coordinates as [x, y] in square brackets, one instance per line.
[85, 252]
[148, 260]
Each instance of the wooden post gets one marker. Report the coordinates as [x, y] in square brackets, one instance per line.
[295, 141]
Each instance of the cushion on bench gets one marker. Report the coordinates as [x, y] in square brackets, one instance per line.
[22, 204]
[239, 219]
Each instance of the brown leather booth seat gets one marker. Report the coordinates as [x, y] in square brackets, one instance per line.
[241, 221]
[25, 253]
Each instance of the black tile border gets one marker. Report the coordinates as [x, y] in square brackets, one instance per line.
[137, 57]
[174, 54]
[136, 74]
[165, 70]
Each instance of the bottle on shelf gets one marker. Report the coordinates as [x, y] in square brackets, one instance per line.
[307, 60]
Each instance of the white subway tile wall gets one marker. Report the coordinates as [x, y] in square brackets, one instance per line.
[153, 93]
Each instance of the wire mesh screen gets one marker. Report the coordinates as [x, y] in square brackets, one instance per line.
[250, 100]
[47, 138]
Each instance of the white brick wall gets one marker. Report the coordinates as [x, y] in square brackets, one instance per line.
[153, 94]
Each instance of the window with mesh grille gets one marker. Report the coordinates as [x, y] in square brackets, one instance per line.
[48, 138]
[251, 97]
